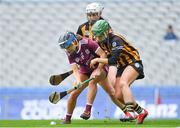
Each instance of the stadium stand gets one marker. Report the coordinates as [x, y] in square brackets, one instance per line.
[30, 29]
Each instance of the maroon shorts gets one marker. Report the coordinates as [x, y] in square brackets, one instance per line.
[89, 72]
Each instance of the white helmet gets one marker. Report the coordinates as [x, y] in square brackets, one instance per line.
[94, 8]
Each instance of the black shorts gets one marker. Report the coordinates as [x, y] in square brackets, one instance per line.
[137, 65]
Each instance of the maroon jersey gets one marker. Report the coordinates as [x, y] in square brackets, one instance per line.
[86, 52]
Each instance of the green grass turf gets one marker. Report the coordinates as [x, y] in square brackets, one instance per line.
[156, 123]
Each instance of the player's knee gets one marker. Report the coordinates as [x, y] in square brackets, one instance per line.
[123, 84]
[74, 95]
[112, 80]
[117, 95]
[112, 94]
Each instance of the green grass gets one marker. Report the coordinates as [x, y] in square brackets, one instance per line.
[89, 124]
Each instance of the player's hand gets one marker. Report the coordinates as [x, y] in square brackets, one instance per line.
[97, 73]
[93, 62]
[75, 84]
[78, 84]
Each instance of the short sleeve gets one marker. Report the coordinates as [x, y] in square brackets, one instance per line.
[71, 59]
[93, 45]
[79, 31]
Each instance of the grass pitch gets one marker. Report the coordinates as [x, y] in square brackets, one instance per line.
[89, 124]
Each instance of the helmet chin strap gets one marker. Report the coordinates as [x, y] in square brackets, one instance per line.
[92, 21]
[78, 47]
[105, 41]
[106, 38]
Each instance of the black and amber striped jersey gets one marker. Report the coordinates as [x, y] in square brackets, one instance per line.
[85, 30]
[120, 50]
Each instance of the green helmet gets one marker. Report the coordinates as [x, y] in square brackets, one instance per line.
[100, 27]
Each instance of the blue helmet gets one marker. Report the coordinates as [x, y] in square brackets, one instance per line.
[66, 40]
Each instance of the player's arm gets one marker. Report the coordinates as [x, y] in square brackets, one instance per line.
[93, 45]
[98, 60]
[116, 49]
[101, 54]
[79, 31]
[111, 60]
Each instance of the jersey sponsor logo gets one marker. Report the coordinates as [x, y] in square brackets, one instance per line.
[41, 109]
[82, 56]
[117, 48]
[155, 111]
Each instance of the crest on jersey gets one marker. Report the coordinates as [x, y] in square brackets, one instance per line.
[137, 65]
[86, 32]
[87, 51]
[114, 44]
[77, 59]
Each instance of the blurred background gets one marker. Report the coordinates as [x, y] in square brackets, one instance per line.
[29, 54]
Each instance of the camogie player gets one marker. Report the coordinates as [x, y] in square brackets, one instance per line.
[129, 67]
[80, 51]
[93, 13]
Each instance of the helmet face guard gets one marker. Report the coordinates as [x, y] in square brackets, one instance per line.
[67, 40]
[94, 11]
[94, 8]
